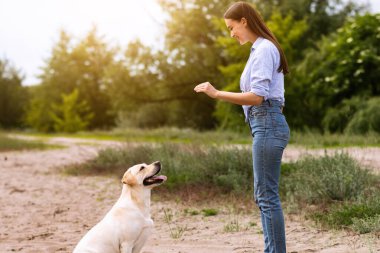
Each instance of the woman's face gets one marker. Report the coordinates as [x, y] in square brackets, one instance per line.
[238, 29]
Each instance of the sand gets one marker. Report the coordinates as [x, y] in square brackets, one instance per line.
[43, 210]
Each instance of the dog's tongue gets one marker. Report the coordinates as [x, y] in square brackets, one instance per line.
[162, 177]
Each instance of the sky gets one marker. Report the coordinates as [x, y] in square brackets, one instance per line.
[30, 28]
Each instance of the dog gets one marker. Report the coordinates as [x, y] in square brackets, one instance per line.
[128, 224]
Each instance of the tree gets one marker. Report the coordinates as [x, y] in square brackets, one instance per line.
[366, 119]
[194, 57]
[322, 16]
[13, 96]
[71, 115]
[157, 86]
[345, 65]
[80, 66]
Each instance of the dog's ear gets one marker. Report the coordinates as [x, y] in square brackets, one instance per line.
[129, 179]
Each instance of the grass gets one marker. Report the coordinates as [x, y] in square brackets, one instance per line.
[177, 231]
[325, 179]
[158, 135]
[308, 139]
[366, 225]
[191, 212]
[209, 212]
[361, 216]
[312, 139]
[232, 226]
[228, 169]
[12, 144]
[333, 190]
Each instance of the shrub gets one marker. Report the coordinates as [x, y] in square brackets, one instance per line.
[366, 225]
[324, 179]
[71, 115]
[355, 215]
[228, 169]
[337, 119]
[366, 119]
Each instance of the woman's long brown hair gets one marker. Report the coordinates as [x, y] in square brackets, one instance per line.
[256, 24]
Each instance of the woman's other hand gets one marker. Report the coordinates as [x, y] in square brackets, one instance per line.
[207, 88]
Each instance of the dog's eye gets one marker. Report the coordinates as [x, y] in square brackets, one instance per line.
[141, 168]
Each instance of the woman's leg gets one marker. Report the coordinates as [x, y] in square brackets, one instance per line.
[267, 155]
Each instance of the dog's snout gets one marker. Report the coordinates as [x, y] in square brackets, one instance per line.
[158, 164]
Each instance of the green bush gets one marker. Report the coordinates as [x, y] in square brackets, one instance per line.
[366, 225]
[347, 194]
[367, 119]
[229, 169]
[315, 180]
[312, 180]
[71, 115]
[349, 214]
[14, 96]
[337, 119]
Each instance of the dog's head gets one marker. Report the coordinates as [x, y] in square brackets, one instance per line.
[144, 175]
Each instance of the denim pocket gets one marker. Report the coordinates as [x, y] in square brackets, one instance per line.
[281, 128]
[259, 113]
[258, 122]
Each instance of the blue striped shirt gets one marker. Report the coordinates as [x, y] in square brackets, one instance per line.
[260, 75]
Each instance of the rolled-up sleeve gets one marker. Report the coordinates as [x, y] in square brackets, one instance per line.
[262, 71]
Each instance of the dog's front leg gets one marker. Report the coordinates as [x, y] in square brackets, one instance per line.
[126, 247]
[145, 233]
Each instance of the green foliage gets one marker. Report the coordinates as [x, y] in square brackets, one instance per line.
[344, 191]
[335, 184]
[353, 66]
[344, 65]
[38, 115]
[337, 119]
[72, 66]
[354, 116]
[322, 17]
[13, 97]
[289, 33]
[8, 143]
[209, 212]
[367, 118]
[153, 88]
[314, 139]
[310, 180]
[71, 115]
[165, 79]
[230, 170]
[355, 215]
[324, 180]
[232, 226]
[366, 225]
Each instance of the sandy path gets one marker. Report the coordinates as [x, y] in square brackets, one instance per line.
[44, 211]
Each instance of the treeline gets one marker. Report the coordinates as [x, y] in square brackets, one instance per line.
[332, 48]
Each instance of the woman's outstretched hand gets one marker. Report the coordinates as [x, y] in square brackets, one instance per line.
[207, 88]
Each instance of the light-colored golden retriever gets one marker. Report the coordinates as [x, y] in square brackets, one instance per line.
[126, 227]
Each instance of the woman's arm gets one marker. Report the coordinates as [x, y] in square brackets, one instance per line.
[246, 98]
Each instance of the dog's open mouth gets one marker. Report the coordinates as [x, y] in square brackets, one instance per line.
[154, 179]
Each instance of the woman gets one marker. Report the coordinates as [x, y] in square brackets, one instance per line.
[262, 98]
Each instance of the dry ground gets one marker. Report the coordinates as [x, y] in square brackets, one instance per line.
[45, 211]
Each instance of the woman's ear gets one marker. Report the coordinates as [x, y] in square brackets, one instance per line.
[244, 21]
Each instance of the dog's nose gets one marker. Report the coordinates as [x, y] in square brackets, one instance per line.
[157, 164]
